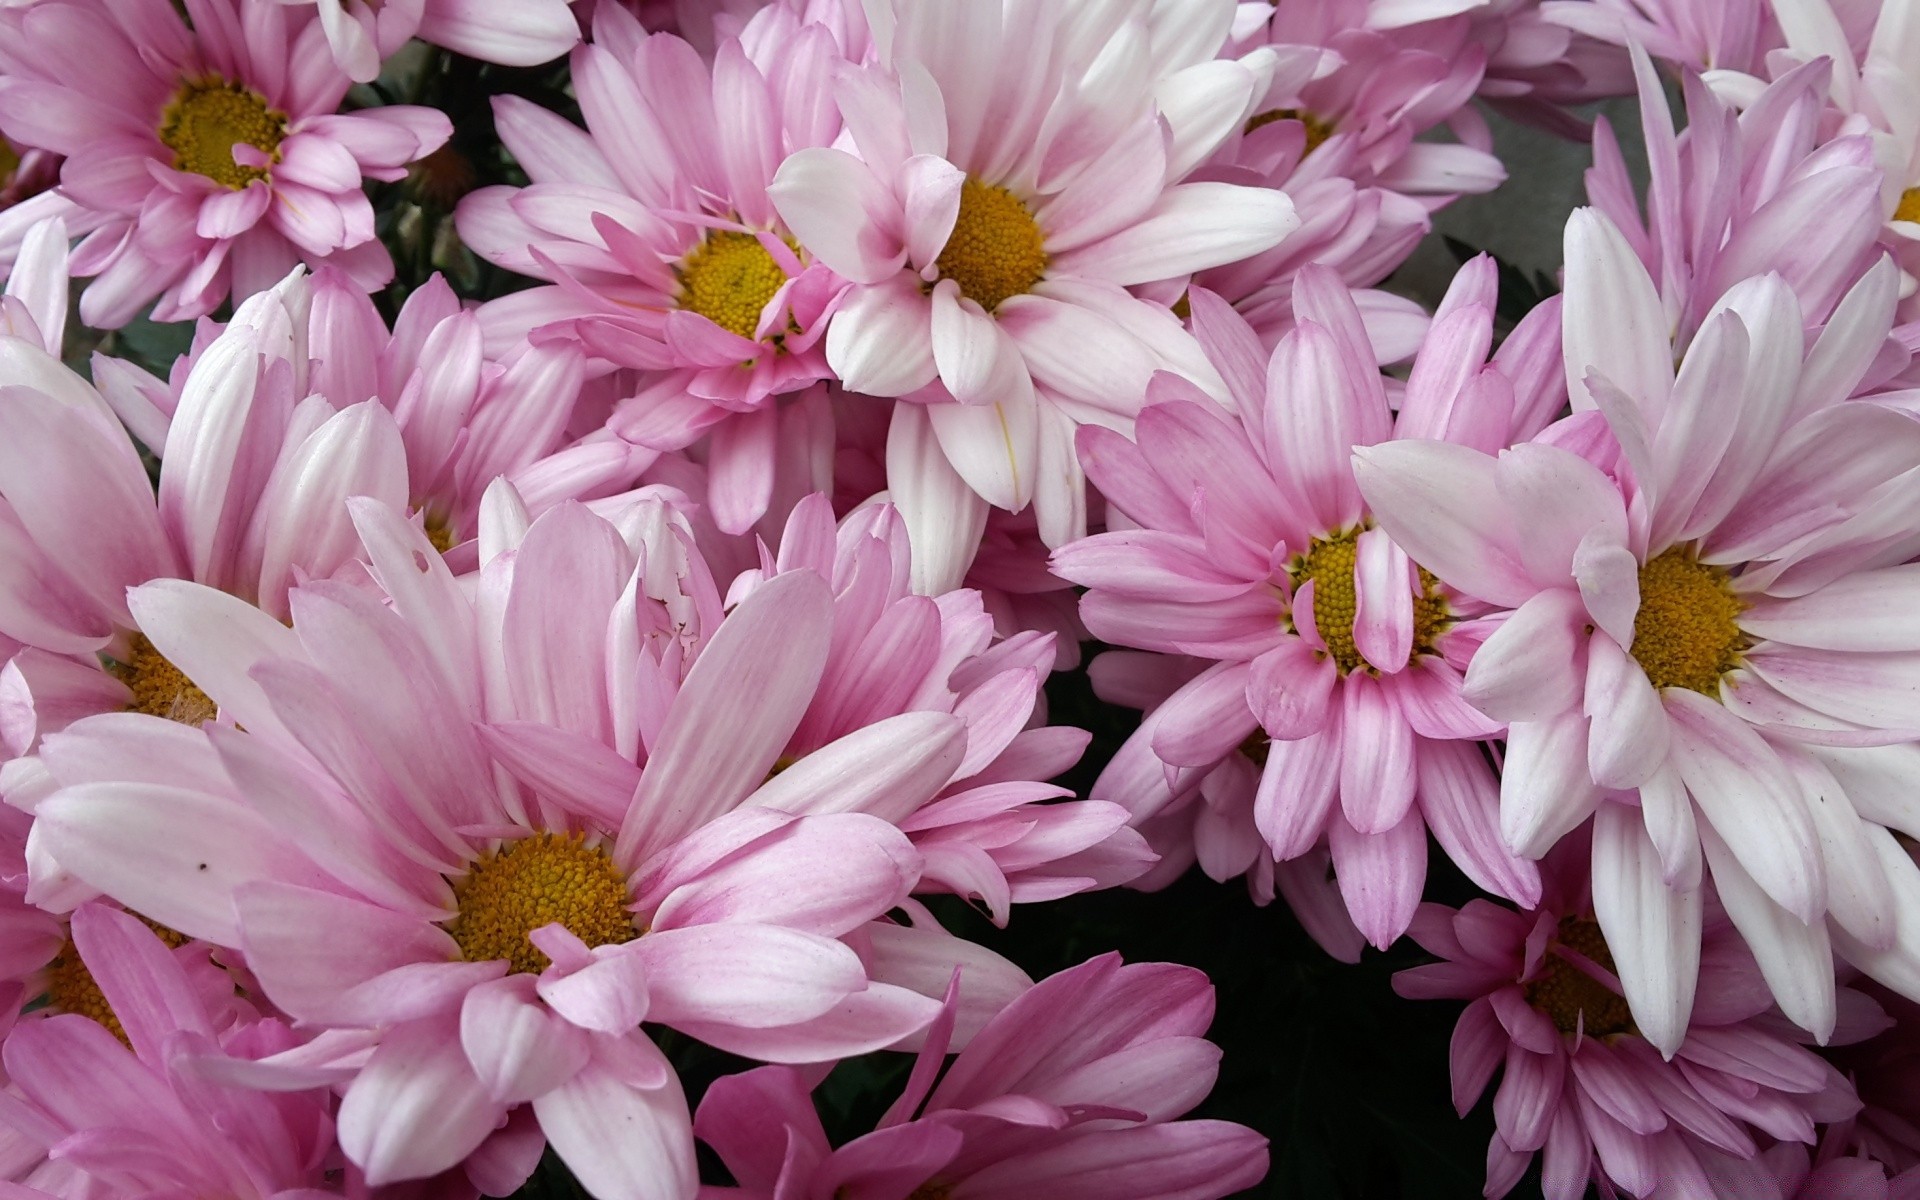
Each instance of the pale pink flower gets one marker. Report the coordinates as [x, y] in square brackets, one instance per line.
[1712, 640]
[664, 254]
[1003, 198]
[1738, 196]
[1361, 80]
[1581, 1085]
[1537, 70]
[469, 946]
[462, 418]
[1073, 1091]
[1249, 544]
[517, 33]
[905, 708]
[122, 1110]
[1698, 35]
[207, 161]
[1874, 93]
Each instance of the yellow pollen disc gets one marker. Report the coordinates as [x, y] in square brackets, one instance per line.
[1318, 131]
[439, 533]
[208, 117]
[995, 249]
[1686, 633]
[1328, 562]
[1571, 998]
[159, 688]
[1909, 207]
[71, 988]
[728, 279]
[536, 881]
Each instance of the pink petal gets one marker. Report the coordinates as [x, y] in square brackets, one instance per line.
[772, 647]
[416, 1109]
[621, 1142]
[517, 1049]
[1652, 931]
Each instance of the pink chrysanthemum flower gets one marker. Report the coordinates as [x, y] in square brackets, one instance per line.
[208, 159]
[919, 681]
[1249, 544]
[460, 418]
[1697, 35]
[1787, 1171]
[654, 227]
[1735, 196]
[515, 33]
[1712, 639]
[110, 1102]
[1003, 198]
[1581, 1085]
[1073, 1091]
[470, 947]
[1384, 74]
[1538, 70]
[1875, 93]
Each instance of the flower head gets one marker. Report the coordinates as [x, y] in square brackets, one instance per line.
[1694, 650]
[990, 225]
[206, 161]
[1335, 664]
[1074, 1089]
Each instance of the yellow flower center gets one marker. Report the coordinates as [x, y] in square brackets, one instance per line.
[995, 249]
[1571, 998]
[537, 881]
[1909, 207]
[159, 688]
[1318, 131]
[728, 279]
[1686, 634]
[1329, 563]
[9, 160]
[207, 118]
[439, 532]
[71, 988]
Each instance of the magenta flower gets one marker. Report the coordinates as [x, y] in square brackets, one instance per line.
[1710, 642]
[991, 225]
[207, 160]
[468, 946]
[1581, 1085]
[1255, 550]
[664, 253]
[1074, 1091]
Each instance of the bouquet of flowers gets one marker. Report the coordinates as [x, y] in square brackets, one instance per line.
[671, 599]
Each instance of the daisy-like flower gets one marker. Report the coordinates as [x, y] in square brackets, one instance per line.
[664, 254]
[515, 33]
[1538, 70]
[1074, 1090]
[1580, 1084]
[1251, 546]
[1874, 92]
[896, 670]
[110, 1100]
[469, 947]
[1697, 35]
[1018, 168]
[462, 418]
[1740, 195]
[207, 159]
[1711, 630]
